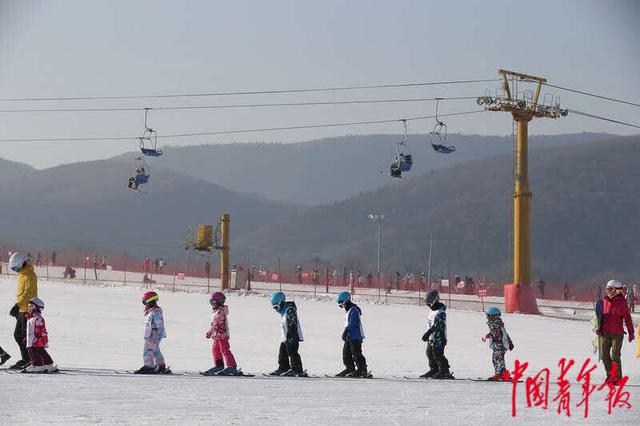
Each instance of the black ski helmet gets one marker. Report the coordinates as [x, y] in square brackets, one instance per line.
[431, 298]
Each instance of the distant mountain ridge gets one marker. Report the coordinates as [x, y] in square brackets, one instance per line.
[90, 202]
[10, 170]
[585, 204]
[586, 200]
[332, 169]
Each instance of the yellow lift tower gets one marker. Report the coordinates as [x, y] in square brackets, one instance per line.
[520, 296]
[205, 240]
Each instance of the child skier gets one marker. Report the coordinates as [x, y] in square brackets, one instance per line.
[353, 335]
[499, 342]
[154, 332]
[38, 340]
[436, 338]
[219, 332]
[289, 361]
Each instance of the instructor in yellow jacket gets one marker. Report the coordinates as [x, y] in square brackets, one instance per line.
[27, 289]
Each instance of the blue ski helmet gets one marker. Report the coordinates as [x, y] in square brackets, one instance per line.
[491, 311]
[343, 298]
[277, 299]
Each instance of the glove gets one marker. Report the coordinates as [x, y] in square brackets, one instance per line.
[15, 310]
[208, 335]
[425, 336]
[484, 338]
[345, 334]
[631, 337]
[511, 345]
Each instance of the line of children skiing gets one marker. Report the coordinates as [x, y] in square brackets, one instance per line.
[289, 359]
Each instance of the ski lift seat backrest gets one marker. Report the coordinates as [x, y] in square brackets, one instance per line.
[141, 179]
[405, 163]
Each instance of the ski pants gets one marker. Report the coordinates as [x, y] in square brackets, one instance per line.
[498, 360]
[352, 357]
[289, 352]
[438, 363]
[222, 350]
[152, 355]
[20, 334]
[39, 356]
[611, 347]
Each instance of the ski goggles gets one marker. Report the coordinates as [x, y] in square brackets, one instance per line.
[16, 268]
[341, 304]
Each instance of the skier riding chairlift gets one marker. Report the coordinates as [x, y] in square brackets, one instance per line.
[403, 161]
[149, 139]
[141, 175]
[438, 140]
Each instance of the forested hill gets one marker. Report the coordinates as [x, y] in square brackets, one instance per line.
[586, 201]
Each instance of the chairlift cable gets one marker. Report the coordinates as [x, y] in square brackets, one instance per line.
[593, 95]
[586, 114]
[265, 105]
[228, 132]
[256, 92]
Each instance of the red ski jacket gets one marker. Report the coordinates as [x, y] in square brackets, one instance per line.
[616, 311]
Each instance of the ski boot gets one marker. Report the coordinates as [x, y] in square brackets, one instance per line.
[213, 371]
[4, 357]
[162, 369]
[229, 371]
[293, 373]
[50, 368]
[496, 378]
[146, 370]
[33, 369]
[354, 374]
[429, 374]
[20, 365]
[443, 375]
[344, 372]
[278, 372]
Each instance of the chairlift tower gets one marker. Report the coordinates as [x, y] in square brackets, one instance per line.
[520, 295]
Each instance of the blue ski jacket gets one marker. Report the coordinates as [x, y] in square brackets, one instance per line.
[353, 325]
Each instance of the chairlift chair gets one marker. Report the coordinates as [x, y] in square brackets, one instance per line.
[149, 140]
[438, 137]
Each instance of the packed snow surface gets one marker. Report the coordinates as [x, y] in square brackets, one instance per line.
[100, 329]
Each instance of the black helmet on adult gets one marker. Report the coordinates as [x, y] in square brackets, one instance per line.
[431, 298]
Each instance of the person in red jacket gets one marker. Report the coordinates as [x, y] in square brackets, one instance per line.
[615, 313]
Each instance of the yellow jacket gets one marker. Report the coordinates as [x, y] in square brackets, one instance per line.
[27, 288]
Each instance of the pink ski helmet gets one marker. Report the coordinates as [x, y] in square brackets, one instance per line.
[217, 299]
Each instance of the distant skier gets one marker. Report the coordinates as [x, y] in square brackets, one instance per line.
[219, 332]
[289, 361]
[154, 332]
[353, 335]
[436, 338]
[38, 340]
[499, 342]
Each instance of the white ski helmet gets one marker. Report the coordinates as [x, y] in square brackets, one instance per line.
[37, 303]
[16, 261]
[614, 284]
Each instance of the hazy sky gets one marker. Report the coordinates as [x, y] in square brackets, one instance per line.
[69, 48]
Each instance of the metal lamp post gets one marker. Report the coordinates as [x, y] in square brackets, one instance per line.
[378, 218]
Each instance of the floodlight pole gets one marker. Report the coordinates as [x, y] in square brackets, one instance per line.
[378, 218]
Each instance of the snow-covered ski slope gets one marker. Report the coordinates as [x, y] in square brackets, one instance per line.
[100, 328]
